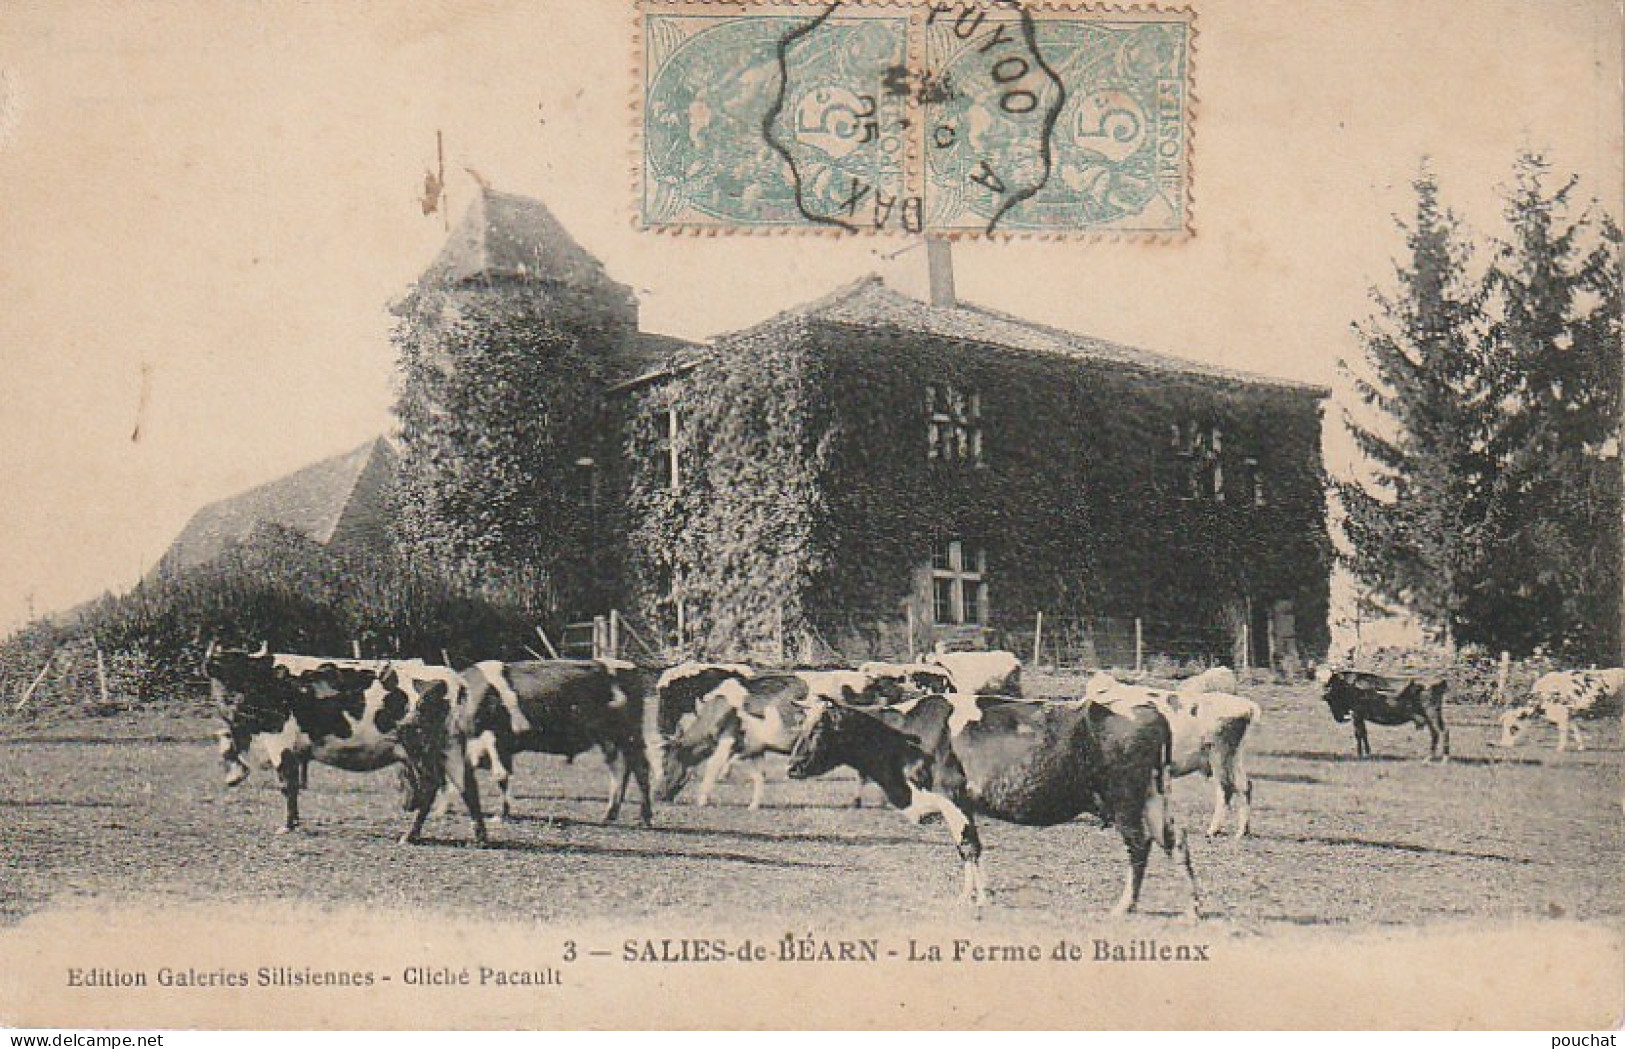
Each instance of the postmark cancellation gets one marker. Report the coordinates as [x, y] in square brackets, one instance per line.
[953, 119]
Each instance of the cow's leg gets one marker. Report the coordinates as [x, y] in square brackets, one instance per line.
[502, 772]
[758, 781]
[459, 771]
[963, 829]
[1179, 851]
[1139, 855]
[1243, 785]
[424, 802]
[1362, 745]
[1438, 736]
[289, 772]
[1559, 717]
[1568, 728]
[1223, 787]
[639, 761]
[713, 769]
[620, 774]
[1140, 830]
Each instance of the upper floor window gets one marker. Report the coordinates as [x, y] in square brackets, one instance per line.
[959, 583]
[1199, 451]
[1252, 479]
[953, 424]
[667, 429]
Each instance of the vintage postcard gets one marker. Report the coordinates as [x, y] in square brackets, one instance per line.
[781, 514]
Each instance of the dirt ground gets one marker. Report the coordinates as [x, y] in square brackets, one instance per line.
[108, 813]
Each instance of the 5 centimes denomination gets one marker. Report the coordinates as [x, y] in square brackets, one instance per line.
[767, 116]
[961, 119]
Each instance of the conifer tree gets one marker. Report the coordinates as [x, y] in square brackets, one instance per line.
[1555, 361]
[1414, 523]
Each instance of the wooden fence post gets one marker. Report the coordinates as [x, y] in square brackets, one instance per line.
[1501, 673]
[600, 636]
[101, 672]
[29, 693]
[908, 619]
[614, 634]
[355, 648]
[1038, 637]
[1139, 647]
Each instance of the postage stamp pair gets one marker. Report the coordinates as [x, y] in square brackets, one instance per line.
[950, 119]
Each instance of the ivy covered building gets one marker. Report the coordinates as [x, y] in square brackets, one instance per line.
[875, 471]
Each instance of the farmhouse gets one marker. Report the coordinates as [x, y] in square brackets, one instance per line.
[879, 471]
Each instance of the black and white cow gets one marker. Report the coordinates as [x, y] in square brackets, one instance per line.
[291, 710]
[736, 714]
[1210, 736]
[1363, 697]
[1564, 697]
[1033, 763]
[558, 706]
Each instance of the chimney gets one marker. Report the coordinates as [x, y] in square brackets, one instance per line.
[922, 270]
[939, 263]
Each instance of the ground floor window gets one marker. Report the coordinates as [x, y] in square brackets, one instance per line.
[959, 583]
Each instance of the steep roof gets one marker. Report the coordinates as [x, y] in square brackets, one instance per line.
[312, 501]
[869, 303]
[504, 235]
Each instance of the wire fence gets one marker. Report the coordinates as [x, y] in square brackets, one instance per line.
[1063, 642]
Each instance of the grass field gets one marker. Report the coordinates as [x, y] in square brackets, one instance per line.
[135, 811]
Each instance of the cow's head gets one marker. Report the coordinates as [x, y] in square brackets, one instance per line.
[1338, 698]
[250, 697]
[1513, 723]
[817, 749]
[698, 735]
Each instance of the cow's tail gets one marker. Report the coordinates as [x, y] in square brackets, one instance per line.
[1165, 761]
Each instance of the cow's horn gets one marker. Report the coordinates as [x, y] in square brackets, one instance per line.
[207, 652]
[265, 649]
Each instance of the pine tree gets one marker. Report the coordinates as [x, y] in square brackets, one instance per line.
[1414, 525]
[1555, 360]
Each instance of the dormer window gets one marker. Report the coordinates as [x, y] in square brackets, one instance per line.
[953, 424]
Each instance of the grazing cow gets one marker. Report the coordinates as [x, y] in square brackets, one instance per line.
[1213, 679]
[353, 718]
[1388, 701]
[558, 706]
[681, 688]
[1032, 763]
[1564, 697]
[1210, 735]
[743, 717]
[980, 673]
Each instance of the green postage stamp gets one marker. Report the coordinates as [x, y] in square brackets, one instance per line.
[914, 117]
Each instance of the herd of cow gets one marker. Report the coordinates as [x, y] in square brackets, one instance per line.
[949, 736]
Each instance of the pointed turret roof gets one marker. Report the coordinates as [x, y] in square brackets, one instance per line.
[507, 236]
